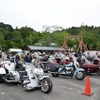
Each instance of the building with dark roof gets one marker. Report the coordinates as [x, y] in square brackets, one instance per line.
[49, 49]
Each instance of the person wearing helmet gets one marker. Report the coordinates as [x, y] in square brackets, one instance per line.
[67, 60]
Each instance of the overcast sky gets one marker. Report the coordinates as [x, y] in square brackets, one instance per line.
[37, 13]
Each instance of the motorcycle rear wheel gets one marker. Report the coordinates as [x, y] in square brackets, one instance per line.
[1, 79]
[46, 85]
[98, 72]
[55, 74]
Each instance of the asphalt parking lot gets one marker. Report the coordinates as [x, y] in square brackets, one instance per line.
[64, 88]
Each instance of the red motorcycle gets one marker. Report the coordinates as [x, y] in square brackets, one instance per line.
[91, 67]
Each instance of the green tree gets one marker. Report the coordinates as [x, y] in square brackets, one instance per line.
[2, 41]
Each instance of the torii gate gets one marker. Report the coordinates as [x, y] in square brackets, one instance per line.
[81, 43]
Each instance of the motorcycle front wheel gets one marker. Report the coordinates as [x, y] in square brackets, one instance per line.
[80, 75]
[46, 85]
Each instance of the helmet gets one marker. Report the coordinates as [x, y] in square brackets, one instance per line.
[67, 58]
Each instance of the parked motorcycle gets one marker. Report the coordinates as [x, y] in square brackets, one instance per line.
[36, 78]
[44, 63]
[9, 72]
[90, 66]
[71, 70]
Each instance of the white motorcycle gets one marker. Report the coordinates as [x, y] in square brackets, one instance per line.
[36, 78]
[8, 72]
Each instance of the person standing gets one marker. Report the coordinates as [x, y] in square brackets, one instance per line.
[28, 58]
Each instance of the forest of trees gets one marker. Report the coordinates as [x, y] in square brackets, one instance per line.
[24, 36]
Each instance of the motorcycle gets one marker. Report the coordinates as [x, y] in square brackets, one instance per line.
[8, 72]
[44, 63]
[90, 66]
[72, 69]
[36, 78]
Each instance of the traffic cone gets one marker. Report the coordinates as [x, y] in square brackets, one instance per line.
[88, 87]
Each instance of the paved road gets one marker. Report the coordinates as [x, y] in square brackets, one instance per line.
[64, 88]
